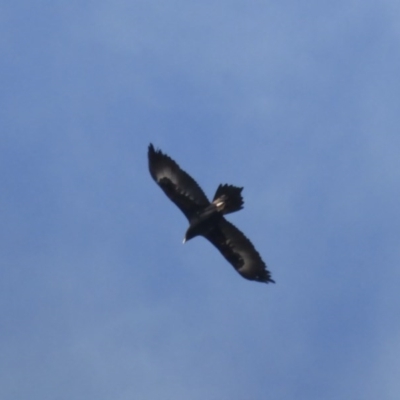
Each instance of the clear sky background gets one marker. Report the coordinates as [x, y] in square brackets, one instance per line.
[299, 102]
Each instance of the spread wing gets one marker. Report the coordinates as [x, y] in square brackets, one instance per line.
[239, 251]
[179, 186]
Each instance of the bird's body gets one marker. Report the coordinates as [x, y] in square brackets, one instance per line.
[207, 218]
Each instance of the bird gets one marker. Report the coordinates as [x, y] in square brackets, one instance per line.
[206, 218]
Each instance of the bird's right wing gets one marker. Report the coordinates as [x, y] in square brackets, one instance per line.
[239, 251]
[178, 185]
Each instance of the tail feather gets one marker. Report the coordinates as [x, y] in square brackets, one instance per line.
[228, 198]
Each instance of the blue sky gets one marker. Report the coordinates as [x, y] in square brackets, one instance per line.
[298, 103]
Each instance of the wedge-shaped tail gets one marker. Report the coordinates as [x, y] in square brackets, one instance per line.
[228, 198]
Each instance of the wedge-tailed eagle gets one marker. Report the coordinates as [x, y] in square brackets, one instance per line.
[207, 218]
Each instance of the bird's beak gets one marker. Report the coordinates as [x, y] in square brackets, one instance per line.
[184, 240]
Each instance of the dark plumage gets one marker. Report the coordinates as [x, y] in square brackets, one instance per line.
[207, 218]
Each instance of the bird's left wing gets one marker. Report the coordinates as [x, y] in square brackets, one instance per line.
[239, 251]
[177, 184]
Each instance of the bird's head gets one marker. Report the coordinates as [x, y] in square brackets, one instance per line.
[190, 234]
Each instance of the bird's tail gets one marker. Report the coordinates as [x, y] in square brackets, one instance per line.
[228, 199]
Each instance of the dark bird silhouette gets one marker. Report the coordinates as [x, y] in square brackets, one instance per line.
[207, 218]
